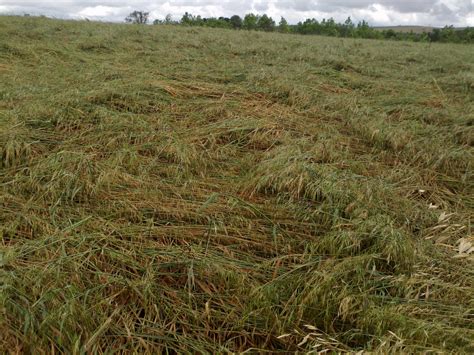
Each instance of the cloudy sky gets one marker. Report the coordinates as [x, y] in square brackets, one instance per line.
[377, 12]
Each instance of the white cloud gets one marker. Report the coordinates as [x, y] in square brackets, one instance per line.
[377, 12]
[100, 11]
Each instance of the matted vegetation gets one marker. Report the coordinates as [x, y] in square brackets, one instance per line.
[201, 190]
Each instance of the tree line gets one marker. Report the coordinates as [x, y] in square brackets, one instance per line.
[325, 27]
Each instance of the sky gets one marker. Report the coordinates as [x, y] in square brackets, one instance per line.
[376, 12]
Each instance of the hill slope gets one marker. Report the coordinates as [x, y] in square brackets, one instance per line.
[199, 190]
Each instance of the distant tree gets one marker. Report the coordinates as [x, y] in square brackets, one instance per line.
[236, 22]
[283, 26]
[221, 22]
[449, 34]
[329, 27]
[138, 17]
[466, 35]
[390, 34]
[198, 21]
[190, 20]
[347, 29]
[266, 23]
[309, 26]
[187, 19]
[168, 19]
[363, 29]
[435, 35]
[250, 22]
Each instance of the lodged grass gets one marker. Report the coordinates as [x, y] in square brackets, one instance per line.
[173, 189]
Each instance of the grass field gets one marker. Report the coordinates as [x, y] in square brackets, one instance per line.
[415, 29]
[173, 189]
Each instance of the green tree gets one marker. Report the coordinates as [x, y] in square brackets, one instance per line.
[347, 29]
[187, 19]
[138, 17]
[309, 26]
[250, 22]
[435, 35]
[283, 26]
[448, 34]
[266, 23]
[329, 27]
[390, 34]
[236, 22]
[168, 19]
[363, 29]
[221, 22]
